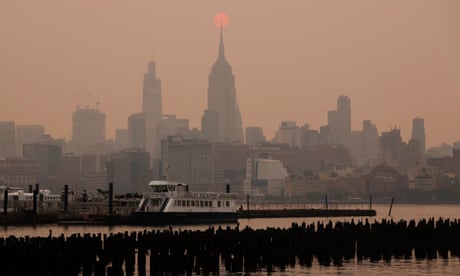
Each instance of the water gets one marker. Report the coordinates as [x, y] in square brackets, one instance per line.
[412, 266]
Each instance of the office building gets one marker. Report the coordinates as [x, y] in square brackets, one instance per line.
[88, 129]
[7, 139]
[418, 132]
[137, 131]
[129, 171]
[27, 134]
[254, 136]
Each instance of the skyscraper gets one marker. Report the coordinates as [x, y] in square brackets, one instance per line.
[391, 143]
[88, 129]
[344, 119]
[136, 131]
[152, 109]
[418, 132]
[222, 98]
[370, 140]
[339, 122]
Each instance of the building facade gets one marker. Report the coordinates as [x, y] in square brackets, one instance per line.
[7, 139]
[121, 137]
[47, 155]
[188, 161]
[129, 171]
[18, 172]
[255, 136]
[210, 125]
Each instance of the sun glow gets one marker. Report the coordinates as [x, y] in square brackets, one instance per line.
[221, 20]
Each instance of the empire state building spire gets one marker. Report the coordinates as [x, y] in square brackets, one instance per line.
[221, 46]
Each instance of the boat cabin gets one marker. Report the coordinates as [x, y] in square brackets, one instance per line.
[167, 196]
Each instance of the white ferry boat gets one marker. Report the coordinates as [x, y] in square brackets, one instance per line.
[172, 203]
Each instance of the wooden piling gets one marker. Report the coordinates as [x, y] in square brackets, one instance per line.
[110, 198]
[391, 206]
[5, 202]
[242, 251]
[66, 198]
[247, 204]
[35, 198]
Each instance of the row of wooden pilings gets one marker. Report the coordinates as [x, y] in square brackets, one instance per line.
[230, 249]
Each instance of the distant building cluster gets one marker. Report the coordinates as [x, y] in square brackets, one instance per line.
[298, 162]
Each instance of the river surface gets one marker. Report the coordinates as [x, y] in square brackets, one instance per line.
[438, 266]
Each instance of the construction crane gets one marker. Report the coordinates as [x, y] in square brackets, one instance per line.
[85, 99]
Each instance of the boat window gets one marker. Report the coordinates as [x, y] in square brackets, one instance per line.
[218, 203]
[184, 203]
[193, 203]
[227, 203]
[178, 203]
[210, 203]
[160, 189]
[155, 202]
[201, 203]
[188, 203]
[206, 203]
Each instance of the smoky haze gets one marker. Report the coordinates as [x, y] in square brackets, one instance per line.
[291, 60]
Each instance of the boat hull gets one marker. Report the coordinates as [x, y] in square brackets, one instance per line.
[185, 218]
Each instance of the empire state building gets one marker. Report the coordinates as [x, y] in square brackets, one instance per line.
[222, 100]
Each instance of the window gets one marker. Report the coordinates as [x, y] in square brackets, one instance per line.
[201, 203]
[210, 203]
[218, 203]
[193, 203]
[227, 203]
[206, 203]
[188, 203]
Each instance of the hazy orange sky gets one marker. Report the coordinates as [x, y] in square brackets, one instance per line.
[395, 59]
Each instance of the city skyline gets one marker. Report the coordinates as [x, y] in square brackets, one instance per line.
[390, 77]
